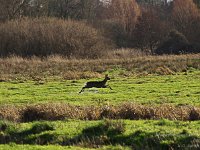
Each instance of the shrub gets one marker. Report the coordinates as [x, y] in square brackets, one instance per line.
[47, 36]
[115, 31]
[150, 30]
[176, 43]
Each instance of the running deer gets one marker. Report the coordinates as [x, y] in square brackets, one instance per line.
[97, 84]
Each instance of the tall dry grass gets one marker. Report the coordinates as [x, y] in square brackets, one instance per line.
[63, 111]
[56, 66]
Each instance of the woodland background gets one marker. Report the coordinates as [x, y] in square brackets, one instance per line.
[93, 28]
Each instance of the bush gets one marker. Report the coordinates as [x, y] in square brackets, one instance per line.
[150, 30]
[176, 43]
[47, 36]
[115, 31]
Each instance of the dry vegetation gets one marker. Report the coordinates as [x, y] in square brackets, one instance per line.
[14, 68]
[61, 111]
[88, 29]
[46, 36]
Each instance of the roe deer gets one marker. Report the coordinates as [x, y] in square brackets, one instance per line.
[97, 84]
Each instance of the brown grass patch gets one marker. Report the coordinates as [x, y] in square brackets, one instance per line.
[13, 68]
[10, 112]
[164, 71]
[61, 111]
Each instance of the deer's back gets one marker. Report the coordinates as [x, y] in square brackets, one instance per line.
[97, 84]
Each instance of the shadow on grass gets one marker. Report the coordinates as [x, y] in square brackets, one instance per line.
[28, 136]
[113, 134]
[105, 133]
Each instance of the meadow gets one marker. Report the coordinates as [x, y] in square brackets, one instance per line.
[154, 103]
[150, 50]
[151, 89]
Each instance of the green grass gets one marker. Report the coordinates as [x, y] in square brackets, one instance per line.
[152, 89]
[56, 147]
[124, 134]
[37, 147]
[137, 134]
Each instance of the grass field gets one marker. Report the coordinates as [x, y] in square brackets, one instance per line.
[136, 134]
[49, 90]
[152, 89]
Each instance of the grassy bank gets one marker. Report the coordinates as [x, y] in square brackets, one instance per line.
[160, 134]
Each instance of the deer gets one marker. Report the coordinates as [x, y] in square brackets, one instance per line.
[97, 84]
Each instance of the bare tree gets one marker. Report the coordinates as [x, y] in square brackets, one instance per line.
[125, 12]
[150, 30]
[37, 8]
[74, 9]
[10, 9]
[197, 2]
[185, 16]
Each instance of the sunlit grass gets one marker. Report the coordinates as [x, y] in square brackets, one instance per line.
[152, 89]
[151, 81]
[136, 134]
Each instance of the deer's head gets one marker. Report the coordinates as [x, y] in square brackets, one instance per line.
[107, 77]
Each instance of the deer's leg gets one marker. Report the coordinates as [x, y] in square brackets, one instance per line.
[109, 87]
[82, 89]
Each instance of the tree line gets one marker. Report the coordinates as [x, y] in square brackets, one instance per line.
[154, 26]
